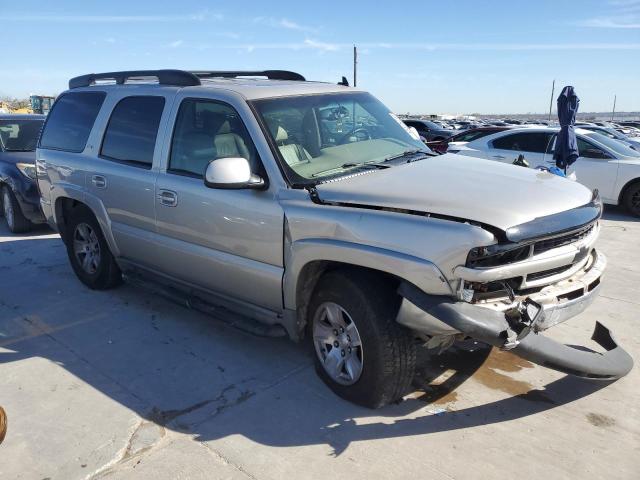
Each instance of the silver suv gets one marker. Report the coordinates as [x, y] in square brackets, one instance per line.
[309, 209]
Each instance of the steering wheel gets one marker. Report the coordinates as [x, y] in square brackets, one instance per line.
[360, 134]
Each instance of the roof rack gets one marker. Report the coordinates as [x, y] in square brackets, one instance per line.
[270, 74]
[179, 78]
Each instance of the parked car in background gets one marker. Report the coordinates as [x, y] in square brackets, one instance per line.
[429, 130]
[633, 142]
[604, 164]
[19, 197]
[234, 192]
[440, 146]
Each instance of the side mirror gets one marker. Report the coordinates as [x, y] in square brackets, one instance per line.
[231, 173]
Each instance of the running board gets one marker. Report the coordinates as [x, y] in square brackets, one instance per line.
[192, 300]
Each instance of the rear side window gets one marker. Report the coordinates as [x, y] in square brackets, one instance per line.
[71, 120]
[536, 142]
[132, 130]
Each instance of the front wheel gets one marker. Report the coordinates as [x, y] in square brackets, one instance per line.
[631, 199]
[360, 351]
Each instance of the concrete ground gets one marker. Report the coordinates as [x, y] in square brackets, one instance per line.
[124, 384]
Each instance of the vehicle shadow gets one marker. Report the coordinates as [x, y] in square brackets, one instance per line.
[188, 372]
[616, 212]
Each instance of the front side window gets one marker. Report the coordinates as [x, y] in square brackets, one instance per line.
[19, 135]
[535, 142]
[70, 121]
[206, 130]
[131, 134]
[324, 135]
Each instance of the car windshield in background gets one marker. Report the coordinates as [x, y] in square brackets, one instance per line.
[615, 145]
[322, 136]
[19, 135]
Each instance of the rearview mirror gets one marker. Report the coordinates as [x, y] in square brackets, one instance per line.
[231, 173]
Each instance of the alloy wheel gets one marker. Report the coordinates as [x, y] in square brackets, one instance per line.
[337, 343]
[86, 248]
[635, 201]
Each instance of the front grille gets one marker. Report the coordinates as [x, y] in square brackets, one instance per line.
[555, 242]
[548, 273]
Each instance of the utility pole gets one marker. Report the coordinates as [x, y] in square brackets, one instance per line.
[614, 108]
[355, 63]
[553, 88]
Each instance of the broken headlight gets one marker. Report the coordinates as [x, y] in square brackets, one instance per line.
[498, 254]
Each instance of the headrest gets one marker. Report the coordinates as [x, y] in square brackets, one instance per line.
[281, 134]
[225, 128]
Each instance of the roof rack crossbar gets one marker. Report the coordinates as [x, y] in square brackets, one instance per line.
[178, 78]
[270, 74]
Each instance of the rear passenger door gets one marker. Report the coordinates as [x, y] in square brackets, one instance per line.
[225, 241]
[123, 175]
[532, 145]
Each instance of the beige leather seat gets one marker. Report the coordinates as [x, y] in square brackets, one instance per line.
[292, 152]
[229, 144]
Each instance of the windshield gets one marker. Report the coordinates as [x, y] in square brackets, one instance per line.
[616, 145]
[19, 135]
[328, 135]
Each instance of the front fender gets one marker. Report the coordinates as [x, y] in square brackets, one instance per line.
[422, 273]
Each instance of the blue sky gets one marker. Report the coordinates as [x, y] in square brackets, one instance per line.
[426, 56]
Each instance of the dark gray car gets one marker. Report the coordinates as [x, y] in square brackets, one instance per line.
[19, 197]
[429, 130]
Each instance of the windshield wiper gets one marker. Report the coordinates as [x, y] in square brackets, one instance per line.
[367, 165]
[408, 153]
[351, 165]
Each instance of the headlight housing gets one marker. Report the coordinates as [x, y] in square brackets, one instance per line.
[496, 255]
[27, 169]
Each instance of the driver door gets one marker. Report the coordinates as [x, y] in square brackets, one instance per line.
[225, 241]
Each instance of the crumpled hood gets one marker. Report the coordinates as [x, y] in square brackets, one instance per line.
[489, 192]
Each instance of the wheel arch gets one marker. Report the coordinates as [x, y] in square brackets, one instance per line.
[307, 260]
[626, 187]
[63, 206]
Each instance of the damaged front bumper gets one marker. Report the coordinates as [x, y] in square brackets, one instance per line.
[441, 316]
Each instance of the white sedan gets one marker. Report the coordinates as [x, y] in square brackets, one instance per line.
[604, 163]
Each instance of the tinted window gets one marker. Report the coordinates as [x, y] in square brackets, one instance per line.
[470, 136]
[206, 130]
[526, 142]
[132, 130]
[588, 150]
[71, 120]
[19, 135]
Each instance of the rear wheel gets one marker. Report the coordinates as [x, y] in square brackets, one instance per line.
[89, 253]
[16, 221]
[360, 351]
[631, 199]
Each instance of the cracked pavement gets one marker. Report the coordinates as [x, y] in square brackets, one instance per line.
[125, 384]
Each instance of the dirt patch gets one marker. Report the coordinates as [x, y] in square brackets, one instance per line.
[599, 420]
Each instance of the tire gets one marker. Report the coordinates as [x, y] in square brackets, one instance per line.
[631, 199]
[94, 264]
[386, 352]
[16, 221]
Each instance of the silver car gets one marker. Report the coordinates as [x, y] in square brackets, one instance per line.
[309, 209]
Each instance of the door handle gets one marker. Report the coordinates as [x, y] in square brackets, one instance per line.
[499, 157]
[99, 181]
[168, 198]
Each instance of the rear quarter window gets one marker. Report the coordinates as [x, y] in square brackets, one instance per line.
[70, 121]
